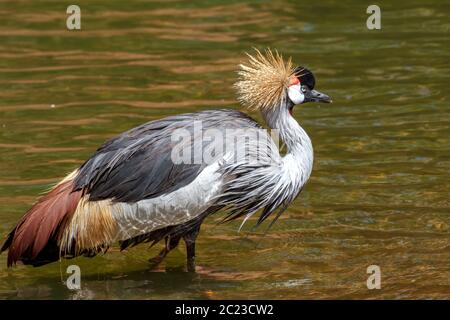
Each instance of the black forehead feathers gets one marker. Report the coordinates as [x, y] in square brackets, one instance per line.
[305, 76]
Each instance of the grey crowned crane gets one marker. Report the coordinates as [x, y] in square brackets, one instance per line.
[133, 190]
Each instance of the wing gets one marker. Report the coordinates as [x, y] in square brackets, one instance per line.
[138, 164]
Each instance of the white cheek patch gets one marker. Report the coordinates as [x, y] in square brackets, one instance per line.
[295, 94]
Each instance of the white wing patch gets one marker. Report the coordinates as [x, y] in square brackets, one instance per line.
[170, 209]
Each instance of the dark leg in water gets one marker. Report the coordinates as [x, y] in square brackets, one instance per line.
[171, 243]
[189, 239]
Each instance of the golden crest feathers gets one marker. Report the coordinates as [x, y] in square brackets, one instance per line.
[263, 81]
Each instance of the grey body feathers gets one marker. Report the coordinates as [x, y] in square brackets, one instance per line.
[137, 165]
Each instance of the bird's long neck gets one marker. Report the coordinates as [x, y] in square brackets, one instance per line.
[299, 158]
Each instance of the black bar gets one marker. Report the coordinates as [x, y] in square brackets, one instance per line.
[227, 309]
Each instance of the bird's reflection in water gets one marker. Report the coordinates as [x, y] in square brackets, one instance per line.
[171, 282]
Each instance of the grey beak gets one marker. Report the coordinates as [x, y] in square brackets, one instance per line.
[318, 96]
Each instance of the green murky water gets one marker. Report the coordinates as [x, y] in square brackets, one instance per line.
[379, 192]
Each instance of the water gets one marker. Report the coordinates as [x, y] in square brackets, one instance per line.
[379, 192]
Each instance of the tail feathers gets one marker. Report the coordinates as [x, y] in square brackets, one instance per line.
[35, 237]
[8, 241]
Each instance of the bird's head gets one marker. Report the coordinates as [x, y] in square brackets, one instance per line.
[268, 82]
[301, 88]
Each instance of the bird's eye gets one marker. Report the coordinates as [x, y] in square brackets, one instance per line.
[303, 88]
